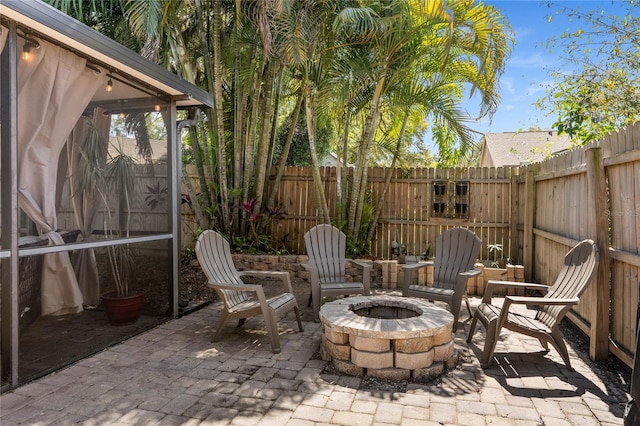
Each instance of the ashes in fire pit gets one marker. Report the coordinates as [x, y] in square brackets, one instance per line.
[387, 337]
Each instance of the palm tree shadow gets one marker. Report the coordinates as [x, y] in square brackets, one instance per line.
[536, 374]
[531, 374]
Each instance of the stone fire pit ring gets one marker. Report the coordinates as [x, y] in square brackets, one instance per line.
[387, 337]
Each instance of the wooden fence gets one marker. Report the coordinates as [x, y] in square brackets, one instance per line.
[537, 212]
[145, 217]
[413, 214]
[590, 192]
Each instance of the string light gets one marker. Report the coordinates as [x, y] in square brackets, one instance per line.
[157, 107]
[26, 52]
[26, 48]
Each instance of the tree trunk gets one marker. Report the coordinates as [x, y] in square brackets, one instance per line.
[317, 180]
[250, 142]
[265, 135]
[387, 180]
[239, 105]
[360, 176]
[273, 132]
[342, 168]
[196, 203]
[285, 149]
[219, 127]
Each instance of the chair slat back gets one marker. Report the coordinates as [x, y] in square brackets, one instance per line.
[326, 248]
[214, 254]
[457, 250]
[575, 275]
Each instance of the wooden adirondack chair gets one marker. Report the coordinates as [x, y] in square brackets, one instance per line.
[241, 300]
[456, 252]
[326, 248]
[579, 267]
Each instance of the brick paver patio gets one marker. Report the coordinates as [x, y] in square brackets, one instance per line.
[174, 375]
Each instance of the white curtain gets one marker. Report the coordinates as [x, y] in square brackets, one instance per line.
[3, 37]
[86, 201]
[54, 88]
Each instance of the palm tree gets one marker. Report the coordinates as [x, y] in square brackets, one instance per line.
[306, 49]
[215, 84]
[445, 45]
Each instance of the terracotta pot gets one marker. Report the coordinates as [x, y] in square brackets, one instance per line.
[123, 310]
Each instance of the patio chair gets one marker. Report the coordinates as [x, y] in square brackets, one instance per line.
[576, 273]
[242, 301]
[456, 252]
[326, 248]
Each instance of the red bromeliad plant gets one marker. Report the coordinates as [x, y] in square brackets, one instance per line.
[248, 209]
[259, 225]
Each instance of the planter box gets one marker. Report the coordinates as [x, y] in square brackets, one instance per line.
[293, 265]
[477, 285]
[386, 274]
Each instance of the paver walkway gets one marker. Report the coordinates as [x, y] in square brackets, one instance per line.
[174, 375]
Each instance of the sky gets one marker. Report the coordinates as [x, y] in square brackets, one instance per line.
[528, 68]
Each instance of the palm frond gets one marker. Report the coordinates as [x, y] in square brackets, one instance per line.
[144, 16]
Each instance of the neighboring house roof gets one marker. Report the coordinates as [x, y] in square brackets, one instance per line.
[330, 160]
[516, 148]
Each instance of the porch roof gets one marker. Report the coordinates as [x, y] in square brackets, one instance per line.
[48, 22]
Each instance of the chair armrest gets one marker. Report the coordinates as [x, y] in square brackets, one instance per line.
[309, 266]
[408, 269]
[266, 274]
[314, 278]
[250, 288]
[493, 284]
[366, 272]
[282, 275]
[360, 264]
[533, 300]
[460, 283]
[471, 273]
[236, 287]
[516, 284]
[419, 265]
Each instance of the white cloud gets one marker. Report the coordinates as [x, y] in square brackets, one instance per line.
[536, 88]
[506, 84]
[523, 32]
[534, 60]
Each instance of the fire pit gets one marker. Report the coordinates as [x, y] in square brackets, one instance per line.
[387, 337]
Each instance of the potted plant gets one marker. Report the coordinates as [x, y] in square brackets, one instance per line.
[124, 304]
[496, 260]
[108, 179]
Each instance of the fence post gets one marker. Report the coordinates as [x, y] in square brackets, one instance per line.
[598, 227]
[514, 242]
[529, 217]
